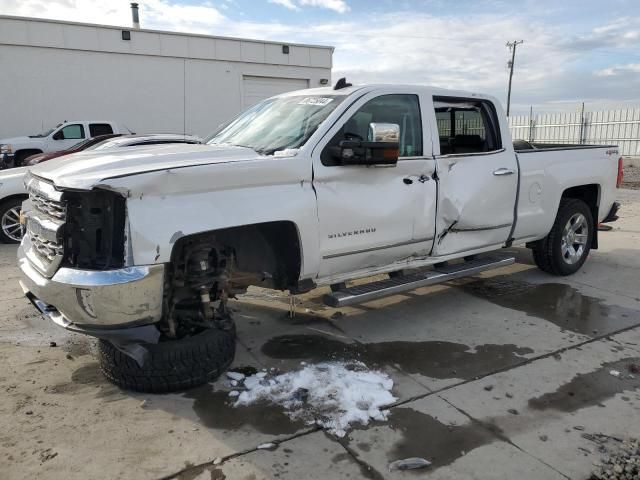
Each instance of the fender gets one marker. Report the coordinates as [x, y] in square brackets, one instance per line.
[164, 206]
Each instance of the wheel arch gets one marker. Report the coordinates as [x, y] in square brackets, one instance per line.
[23, 153]
[15, 196]
[273, 248]
[589, 194]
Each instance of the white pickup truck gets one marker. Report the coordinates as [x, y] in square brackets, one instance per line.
[14, 150]
[315, 187]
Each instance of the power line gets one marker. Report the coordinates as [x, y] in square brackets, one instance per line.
[512, 46]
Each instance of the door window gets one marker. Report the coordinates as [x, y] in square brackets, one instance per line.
[96, 129]
[71, 132]
[466, 126]
[403, 110]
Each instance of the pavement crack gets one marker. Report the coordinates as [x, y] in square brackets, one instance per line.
[194, 470]
[500, 435]
[577, 346]
[367, 470]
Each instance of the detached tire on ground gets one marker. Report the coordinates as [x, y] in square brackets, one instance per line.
[566, 248]
[171, 365]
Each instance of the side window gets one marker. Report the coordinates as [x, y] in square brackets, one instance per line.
[96, 129]
[401, 109]
[466, 126]
[72, 132]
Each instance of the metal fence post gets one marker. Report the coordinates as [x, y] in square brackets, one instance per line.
[531, 124]
[582, 126]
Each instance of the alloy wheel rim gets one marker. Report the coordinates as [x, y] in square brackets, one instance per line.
[11, 226]
[574, 239]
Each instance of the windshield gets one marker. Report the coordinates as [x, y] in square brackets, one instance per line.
[45, 134]
[278, 123]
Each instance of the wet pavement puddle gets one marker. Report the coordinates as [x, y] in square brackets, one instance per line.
[193, 472]
[215, 410]
[433, 359]
[424, 436]
[557, 303]
[588, 389]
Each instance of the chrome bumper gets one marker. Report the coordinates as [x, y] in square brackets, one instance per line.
[7, 160]
[83, 300]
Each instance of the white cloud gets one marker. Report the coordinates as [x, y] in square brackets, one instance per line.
[339, 6]
[286, 3]
[618, 70]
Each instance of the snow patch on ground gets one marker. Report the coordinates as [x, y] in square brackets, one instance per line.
[333, 395]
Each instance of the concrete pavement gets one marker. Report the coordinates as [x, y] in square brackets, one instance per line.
[504, 375]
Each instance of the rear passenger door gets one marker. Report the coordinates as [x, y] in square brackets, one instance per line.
[478, 176]
[96, 129]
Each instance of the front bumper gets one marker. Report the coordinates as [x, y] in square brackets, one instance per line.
[7, 160]
[88, 301]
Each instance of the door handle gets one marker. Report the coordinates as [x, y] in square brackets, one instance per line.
[421, 179]
[504, 171]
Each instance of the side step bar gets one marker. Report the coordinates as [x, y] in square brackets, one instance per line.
[371, 291]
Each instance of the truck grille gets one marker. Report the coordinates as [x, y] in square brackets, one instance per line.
[46, 249]
[45, 222]
[47, 206]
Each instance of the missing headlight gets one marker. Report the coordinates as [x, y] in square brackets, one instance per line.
[94, 231]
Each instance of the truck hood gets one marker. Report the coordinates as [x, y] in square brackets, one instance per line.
[20, 141]
[85, 170]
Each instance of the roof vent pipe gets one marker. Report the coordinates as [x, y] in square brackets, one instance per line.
[134, 16]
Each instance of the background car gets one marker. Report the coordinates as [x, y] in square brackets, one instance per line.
[12, 191]
[78, 147]
[144, 140]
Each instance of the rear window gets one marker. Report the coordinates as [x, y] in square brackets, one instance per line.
[96, 129]
[466, 126]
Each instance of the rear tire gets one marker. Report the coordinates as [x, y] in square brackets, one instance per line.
[171, 365]
[566, 248]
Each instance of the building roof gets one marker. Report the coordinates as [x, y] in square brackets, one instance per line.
[39, 32]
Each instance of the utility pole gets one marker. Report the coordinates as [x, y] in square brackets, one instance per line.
[512, 46]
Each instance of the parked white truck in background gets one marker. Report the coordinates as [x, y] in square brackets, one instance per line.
[314, 187]
[12, 188]
[66, 134]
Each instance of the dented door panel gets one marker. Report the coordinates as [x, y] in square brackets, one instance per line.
[476, 207]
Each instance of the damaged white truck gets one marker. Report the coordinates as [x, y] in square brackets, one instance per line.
[143, 249]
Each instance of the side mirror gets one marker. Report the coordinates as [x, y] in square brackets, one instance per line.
[380, 148]
[59, 135]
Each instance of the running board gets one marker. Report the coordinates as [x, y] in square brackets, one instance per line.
[371, 291]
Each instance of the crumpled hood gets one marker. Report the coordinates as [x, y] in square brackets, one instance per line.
[84, 170]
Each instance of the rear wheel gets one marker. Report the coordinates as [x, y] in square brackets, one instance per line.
[173, 364]
[566, 248]
[10, 228]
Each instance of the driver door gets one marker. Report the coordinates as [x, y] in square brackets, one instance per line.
[67, 137]
[372, 216]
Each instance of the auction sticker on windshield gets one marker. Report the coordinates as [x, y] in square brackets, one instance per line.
[320, 101]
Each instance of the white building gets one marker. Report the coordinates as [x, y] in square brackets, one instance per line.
[151, 81]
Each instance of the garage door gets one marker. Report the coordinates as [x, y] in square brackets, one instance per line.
[255, 89]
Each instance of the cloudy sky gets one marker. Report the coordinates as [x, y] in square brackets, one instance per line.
[573, 51]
